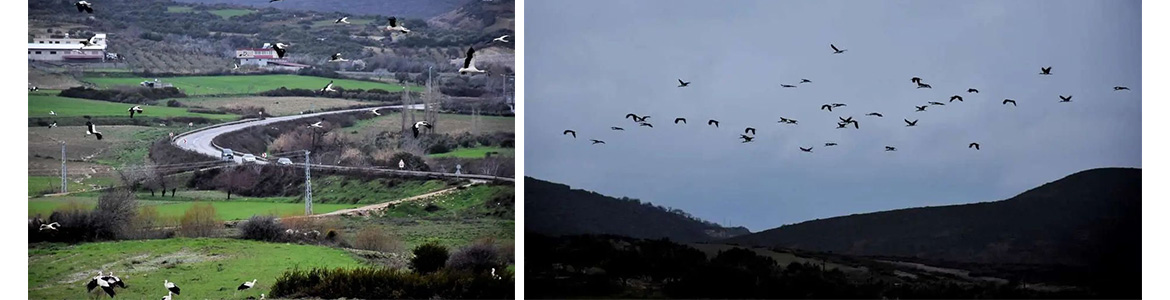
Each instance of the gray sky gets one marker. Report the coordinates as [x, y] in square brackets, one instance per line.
[588, 63]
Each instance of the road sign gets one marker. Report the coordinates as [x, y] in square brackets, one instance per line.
[401, 164]
[458, 169]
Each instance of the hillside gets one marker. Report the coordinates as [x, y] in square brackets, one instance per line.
[556, 209]
[1090, 219]
[401, 8]
[487, 16]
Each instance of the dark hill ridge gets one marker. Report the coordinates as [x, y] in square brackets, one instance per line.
[1091, 218]
[555, 209]
[418, 9]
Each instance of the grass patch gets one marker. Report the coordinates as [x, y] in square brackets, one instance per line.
[477, 152]
[470, 202]
[339, 189]
[277, 106]
[248, 84]
[39, 105]
[205, 268]
[36, 184]
[180, 9]
[168, 207]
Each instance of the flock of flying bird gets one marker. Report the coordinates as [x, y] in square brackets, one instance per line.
[108, 282]
[749, 133]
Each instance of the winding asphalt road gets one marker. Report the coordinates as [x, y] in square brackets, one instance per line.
[200, 140]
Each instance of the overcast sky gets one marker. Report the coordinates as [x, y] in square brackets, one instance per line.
[588, 63]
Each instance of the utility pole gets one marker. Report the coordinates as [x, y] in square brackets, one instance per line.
[64, 179]
[308, 187]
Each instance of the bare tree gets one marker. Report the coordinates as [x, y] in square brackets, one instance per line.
[235, 179]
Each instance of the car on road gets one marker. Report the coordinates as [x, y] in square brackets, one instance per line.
[284, 161]
[248, 158]
[227, 154]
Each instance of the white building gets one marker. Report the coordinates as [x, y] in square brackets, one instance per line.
[265, 58]
[66, 49]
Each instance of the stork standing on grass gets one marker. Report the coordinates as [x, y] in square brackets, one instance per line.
[246, 285]
[171, 286]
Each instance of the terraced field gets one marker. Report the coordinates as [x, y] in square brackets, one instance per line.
[277, 106]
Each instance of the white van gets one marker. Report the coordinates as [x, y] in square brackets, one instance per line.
[284, 161]
[248, 158]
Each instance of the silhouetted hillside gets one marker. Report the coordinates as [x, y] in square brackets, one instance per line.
[1090, 219]
[488, 16]
[555, 209]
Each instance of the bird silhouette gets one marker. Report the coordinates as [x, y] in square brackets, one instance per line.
[935, 103]
[874, 114]
[846, 120]
[646, 124]
[826, 106]
[830, 144]
[787, 85]
[1006, 101]
[835, 50]
[916, 80]
[682, 83]
[713, 122]
[746, 138]
[973, 145]
[749, 129]
[574, 133]
[1118, 88]
[616, 128]
[924, 86]
[683, 120]
[1065, 99]
[956, 97]
[972, 91]
[920, 108]
[909, 123]
[809, 149]
[888, 148]
[842, 125]
[1045, 71]
[805, 81]
[595, 142]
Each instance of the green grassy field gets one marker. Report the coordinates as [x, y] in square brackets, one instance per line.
[248, 84]
[463, 203]
[338, 189]
[477, 152]
[40, 105]
[204, 268]
[276, 106]
[36, 184]
[236, 209]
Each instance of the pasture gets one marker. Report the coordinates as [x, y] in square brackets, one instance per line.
[205, 268]
[477, 152]
[168, 208]
[39, 105]
[277, 106]
[249, 84]
[448, 123]
[37, 184]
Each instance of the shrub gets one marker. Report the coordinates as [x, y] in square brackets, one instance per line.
[385, 283]
[477, 257]
[413, 162]
[110, 220]
[199, 221]
[376, 239]
[174, 103]
[429, 257]
[262, 228]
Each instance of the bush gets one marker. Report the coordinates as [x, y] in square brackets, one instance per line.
[385, 283]
[375, 239]
[110, 220]
[174, 103]
[199, 221]
[262, 228]
[135, 95]
[413, 162]
[478, 258]
[429, 257]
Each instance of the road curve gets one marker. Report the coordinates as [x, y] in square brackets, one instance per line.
[199, 140]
